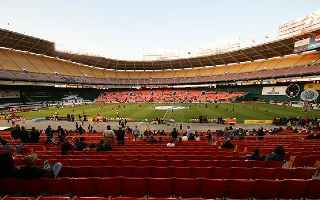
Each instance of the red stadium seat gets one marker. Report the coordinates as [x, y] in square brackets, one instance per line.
[160, 163]
[126, 171]
[84, 186]
[160, 172]
[201, 172]
[301, 173]
[220, 173]
[313, 189]
[100, 171]
[176, 163]
[181, 172]
[108, 186]
[54, 198]
[160, 187]
[241, 173]
[239, 189]
[184, 187]
[213, 188]
[266, 189]
[135, 187]
[141, 172]
[17, 198]
[292, 189]
[193, 163]
[263, 173]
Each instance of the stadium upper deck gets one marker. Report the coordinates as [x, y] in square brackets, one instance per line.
[280, 47]
[272, 60]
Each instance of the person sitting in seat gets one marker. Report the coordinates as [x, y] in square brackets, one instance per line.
[80, 145]
[103, 145]
[30, 170]
[278, 154]
[7, 165]
[15, 132]
[24, 135]
[34, 135]
[227, 144]
[66, 146]
[313, 136]
[256, 155]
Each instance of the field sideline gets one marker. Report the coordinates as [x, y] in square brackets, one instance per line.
[140, 112]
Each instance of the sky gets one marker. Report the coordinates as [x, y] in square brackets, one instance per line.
[130, 29]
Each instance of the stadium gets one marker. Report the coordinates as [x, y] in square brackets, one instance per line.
[230, 123]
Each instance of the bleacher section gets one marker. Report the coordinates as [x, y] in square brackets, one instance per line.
[166, 96]
[190, 170]
[17, 65]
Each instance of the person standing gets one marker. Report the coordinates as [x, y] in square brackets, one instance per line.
[49, 134]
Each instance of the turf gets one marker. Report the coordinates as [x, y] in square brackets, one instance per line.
[140, 112]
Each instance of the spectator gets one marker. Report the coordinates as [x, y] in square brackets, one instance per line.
[66, 146]
[109, 135]
[61, 134]
[30, 170]
[103, 145]
[227, 144]
[80, 145]
[256, 155]
[24, 135]
[81, 130]
[120, 136]
[34, 135]
[184, 138]
[313, 136]
[278, 154]
[49, 134]
[7, 165]
[15, 133]
[136, 132]
[210, 137]
[174, 134]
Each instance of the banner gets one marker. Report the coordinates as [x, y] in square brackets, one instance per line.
[265, 122]
[312, 86]
[276, 90]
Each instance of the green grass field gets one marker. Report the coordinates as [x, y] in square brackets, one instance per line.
[140, 112]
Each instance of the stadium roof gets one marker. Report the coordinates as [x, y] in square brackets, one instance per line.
[280, 47]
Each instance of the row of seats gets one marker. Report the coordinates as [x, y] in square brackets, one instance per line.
[161, 163]
[189, 172]
[165, 187]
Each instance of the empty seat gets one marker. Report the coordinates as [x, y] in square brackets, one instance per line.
[108, 186]
[141, 172]
[266, 189]
[160, 172]
[239, 189]
[54, 198]
[213, 188]
[186, 187]
[292, 189]
[201, 172]
[181, 172]
[313, 189]
[241, 173]
[160, 187]
[136, 187]
[83, 186]
[220, 173]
